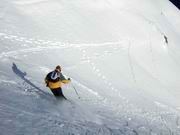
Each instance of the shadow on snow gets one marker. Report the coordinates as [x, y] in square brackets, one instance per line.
[22, 75]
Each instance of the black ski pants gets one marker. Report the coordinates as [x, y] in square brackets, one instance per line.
[58, 93]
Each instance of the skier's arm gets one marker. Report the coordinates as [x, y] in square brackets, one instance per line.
[46, 80]
[63, 79]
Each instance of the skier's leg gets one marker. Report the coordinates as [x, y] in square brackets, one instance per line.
[55, 92]
[58, 93]
[61, 93]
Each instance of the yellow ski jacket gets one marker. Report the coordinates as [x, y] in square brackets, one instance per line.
[58, 84]
[55, 80]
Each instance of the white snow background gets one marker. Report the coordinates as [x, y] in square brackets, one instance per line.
[123, 58]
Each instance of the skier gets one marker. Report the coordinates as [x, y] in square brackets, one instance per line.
[166, 39]
[54, 81]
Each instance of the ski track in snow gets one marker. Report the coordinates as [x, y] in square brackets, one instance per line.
[41, 45]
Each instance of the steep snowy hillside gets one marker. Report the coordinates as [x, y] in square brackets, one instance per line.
[123, 58]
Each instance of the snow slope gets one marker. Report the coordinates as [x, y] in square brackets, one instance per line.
[123, 58]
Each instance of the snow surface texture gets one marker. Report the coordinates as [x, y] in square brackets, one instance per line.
[123, 58]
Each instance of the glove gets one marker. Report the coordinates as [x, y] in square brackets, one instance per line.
[47, 83]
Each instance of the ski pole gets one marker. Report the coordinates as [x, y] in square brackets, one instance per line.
[75, 91]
